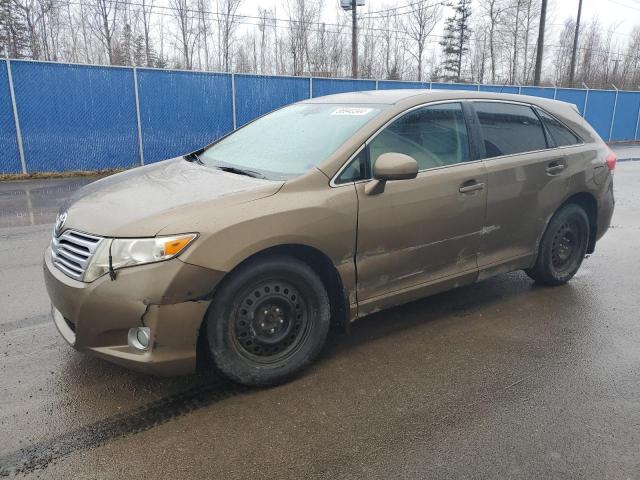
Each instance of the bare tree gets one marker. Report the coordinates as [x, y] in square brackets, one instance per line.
[227, 23]
[494, 9]
[187, 33]
[421, 20]
[302, 14]
[103, 20]
[530, 24]
[631, 69]
[393, 44]
[146, 11]
[266, 23]
[517, 6]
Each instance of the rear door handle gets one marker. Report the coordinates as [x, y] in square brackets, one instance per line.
[471, 186]
[555, 167]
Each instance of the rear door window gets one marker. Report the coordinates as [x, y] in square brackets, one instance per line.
[561, 136]
[509, 128]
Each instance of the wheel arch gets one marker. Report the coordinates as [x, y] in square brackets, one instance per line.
[590, 205]
[320, 263]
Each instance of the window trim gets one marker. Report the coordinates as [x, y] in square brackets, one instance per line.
[461, 101]
[475, 132]
[533, 108]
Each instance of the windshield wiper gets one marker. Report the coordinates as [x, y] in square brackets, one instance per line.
[193, 157]
[241, 171]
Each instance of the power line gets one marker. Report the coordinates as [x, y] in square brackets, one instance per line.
[371, 14]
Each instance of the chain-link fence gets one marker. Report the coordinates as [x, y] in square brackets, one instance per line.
[59, 117]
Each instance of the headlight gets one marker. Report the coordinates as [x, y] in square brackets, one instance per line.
[126, 252]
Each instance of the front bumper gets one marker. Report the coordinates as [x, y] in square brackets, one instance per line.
[171, 298]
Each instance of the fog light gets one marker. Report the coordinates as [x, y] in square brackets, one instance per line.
[140, 338]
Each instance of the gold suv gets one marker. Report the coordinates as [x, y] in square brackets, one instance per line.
[317, 214]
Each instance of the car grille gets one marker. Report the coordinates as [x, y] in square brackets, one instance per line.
[72, 251]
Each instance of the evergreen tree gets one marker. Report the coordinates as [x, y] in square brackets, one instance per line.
[14, 34]
[126, 46]
[456, 39]
[139, 52]
[161, 62]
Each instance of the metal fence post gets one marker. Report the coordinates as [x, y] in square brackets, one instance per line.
[376, 84]
[233, 99]
[586, 101]
[16, 120]
[635, 135]
[555, 92]
[137, 97]
[613, 116]
[310, 87]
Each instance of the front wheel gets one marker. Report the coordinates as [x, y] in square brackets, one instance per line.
[563, 247]
[268, 321]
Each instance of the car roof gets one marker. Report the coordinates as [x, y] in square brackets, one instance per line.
[418, 96]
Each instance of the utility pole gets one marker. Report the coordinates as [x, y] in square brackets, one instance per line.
[543, 17]
[354, 40]
[572, 72]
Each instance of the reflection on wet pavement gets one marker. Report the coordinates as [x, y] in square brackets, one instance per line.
[35, 202]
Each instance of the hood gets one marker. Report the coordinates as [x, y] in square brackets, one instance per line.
[142, 201]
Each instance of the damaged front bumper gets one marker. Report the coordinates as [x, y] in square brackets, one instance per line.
[170, 298]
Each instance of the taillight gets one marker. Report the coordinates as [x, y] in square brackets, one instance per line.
[611, 161]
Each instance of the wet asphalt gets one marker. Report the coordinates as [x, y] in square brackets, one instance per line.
[502, 379]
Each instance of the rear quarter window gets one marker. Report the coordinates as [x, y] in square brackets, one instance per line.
[509, 128]
[560, 135]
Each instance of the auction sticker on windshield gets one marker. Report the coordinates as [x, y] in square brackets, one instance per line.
[351, 111]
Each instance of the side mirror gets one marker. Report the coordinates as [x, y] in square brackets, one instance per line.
[391, 166]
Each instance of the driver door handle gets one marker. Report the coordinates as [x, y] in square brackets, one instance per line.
[471, 186]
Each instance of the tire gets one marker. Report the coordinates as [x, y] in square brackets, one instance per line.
[563, 247]
[268, 321]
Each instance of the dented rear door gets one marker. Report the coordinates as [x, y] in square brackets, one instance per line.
[526, 183]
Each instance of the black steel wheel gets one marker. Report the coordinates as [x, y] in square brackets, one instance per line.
[563, 247]
[268, 321]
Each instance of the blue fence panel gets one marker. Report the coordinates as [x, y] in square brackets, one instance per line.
[545, 92]
[9, 156]
[499, 88]
[328, 86]
[257, 94]
[80, 117]
[453, 86]
[75, 117]
[182, 111]
[624, 123]
[600, 111]
[395, 84]
[573, 95]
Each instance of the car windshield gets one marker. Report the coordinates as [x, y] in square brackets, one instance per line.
[289, 141]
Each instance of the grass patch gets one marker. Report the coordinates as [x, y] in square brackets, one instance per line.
[47, 175]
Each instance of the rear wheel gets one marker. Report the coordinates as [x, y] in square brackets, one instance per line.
[563, 247]
[268, 321]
